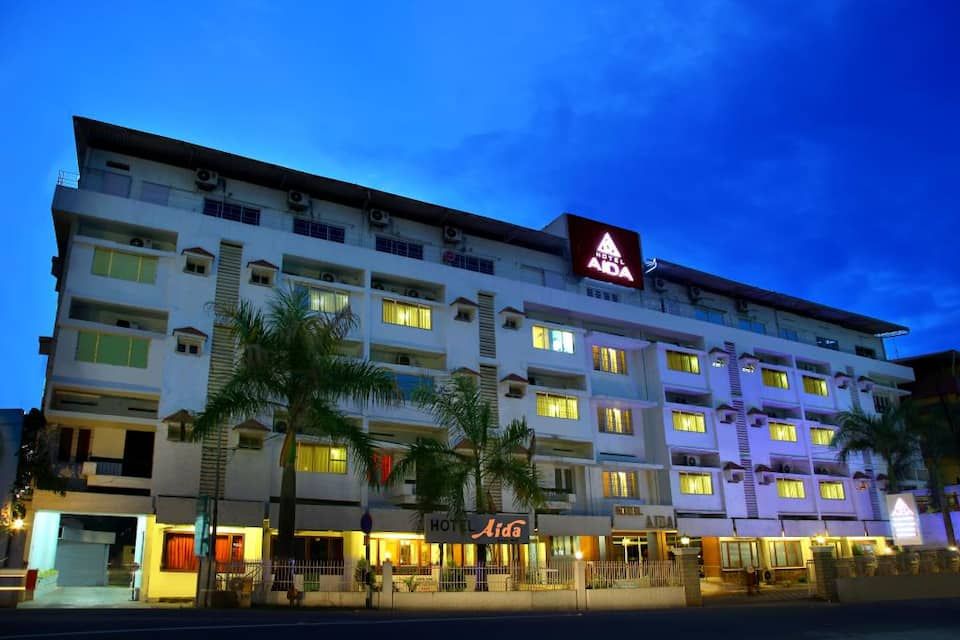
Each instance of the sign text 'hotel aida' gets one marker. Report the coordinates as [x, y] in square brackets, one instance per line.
[904, 519]
[605, 253]
[479, 528]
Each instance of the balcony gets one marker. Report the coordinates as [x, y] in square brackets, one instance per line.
[110, 475]
[558, 500]
[404, 493]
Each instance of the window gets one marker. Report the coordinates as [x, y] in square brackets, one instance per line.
[699, 484]
[708, 315]
[557, 340]
[775, 378]
[832, 490]
[231, 211]
[405, 314]
[620, 484]
[554, 406]
[181, 432]
[563, 480]
[783, 431]
[196, 266]
[468, 263]
[400, 247]
[815, 386]
[615, 420]
[866, 352]
[752, 325]
[326, 301]
[735, 554]
[106, 348]
[262, 277]
[407, 383]
[602, 294]
[178, 551]
[610, 360]
[791, 488]
[881, 402]
[689, 421]
[822, 437]
[317, 549]
[124, 266]
[155, 193]
[786, 553]
[789, 334]
[319, 230]
[188, 346]
[686, 362]
[318, 458]
[251, 441]
[828, 343]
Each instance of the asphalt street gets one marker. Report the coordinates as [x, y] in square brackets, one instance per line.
[922, 620]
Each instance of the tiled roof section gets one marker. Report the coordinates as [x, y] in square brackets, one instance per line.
[264, 264]
[756, 412]
[514, 378]
[199, 251]
[464, 301]
[465, 371]
[732, 466]
[860, 475]
[725, 407]
[762, 468]
[190, 331]
[512, 310]
[251, 425]
[179, 416]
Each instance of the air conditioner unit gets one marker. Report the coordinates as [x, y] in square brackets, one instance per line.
[510, 323]
[786, 468]
[378, 217]
[694, 293]
[531, 380]
[412, 293]
[463, 315]
[121, 322]
[659, 284]
[452, 234]
[298, 200]
[403, 359]
[377, 285]
[691, 461]
[146, 243]
[326, 276]
[821, 471]
[742, 305]
[206, 180]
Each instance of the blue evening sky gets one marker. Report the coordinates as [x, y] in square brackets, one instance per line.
[807, 147]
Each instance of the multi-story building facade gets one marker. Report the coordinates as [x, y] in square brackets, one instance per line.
[694, 407]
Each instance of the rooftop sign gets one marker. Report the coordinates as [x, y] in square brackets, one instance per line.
[904, 519]
[606, 253]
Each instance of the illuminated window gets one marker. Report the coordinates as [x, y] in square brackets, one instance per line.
[620, 484]
[738, 555]
[554, 406]
[124, 266]
[407, 315]
[699, 484]
[791, 488]
[686, 362]
[609, 359]
[326, 301]
[815, 386]
[689, 421]
[786, 553]
[615, 420]
[822, 437]
[774, 378]
[783, 431]
[178, 551]
[317, 458]
[832, 490]
[552, 339]
[106, 348]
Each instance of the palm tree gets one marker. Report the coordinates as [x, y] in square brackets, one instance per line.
[887, 434]
[474, 455]
[289, 360]
[934, 426]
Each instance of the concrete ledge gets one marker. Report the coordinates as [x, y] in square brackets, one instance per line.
[339, 599]
[877, 588]
[487, 601]
[647, 598]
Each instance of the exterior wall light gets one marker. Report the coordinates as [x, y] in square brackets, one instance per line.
[821, 540]
[17, 524]
[578, 555]
[685, 541]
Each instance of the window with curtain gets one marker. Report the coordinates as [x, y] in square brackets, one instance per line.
[791, 488]
[615, 420]
[320, 458]
[786, 553]
[685, 362]
[783, 431]
[815, 386]
[178, 550]
[735, 554]
[689, 421]
[417, 316]
[821, 437]
[124, 266]
[775, 378]
[382, 466]
[696, 483]
[325, 300]
[619, 484]
[610, 360]
[106, 348]
[549, 339]
[554, 406]
[832, 490]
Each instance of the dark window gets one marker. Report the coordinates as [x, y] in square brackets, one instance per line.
[304, 227]
[708, 315]
[468, 263]
[828, 343]
[400, 247]
[789, 334]
[752, 325]
[155, 193]
[83, 445]
[315, 549]
[231, 211]
[66, 444]
[866, 352]
[601, 294]
[113, 164]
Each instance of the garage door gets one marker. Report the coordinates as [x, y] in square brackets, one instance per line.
[81, 564]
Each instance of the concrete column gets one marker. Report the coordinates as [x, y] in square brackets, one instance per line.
[825, 567]
[386, 591]
[580, 583]
[690, 573]
[654, 551]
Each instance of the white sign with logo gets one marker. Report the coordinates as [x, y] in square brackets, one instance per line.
[904, 519]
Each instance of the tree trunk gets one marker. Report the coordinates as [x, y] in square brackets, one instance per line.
[482, 568]
[286, 524]
[947, 520]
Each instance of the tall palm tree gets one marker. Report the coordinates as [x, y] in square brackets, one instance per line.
[289, 359]
[887, 434]
[474, 455]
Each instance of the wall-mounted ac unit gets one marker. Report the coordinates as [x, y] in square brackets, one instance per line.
[206, 179]
[403, 359]
[786, 468]
[659, 284]
[137, 241]
[691, 461]
[821, 471]
[412, 293]
[326, 276]
[742, 305]
[378, 217]
[377, 285]
[452, 234]
[298, 200]
[694, 293]
[510, 323]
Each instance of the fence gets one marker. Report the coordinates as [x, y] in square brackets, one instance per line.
[266, 576]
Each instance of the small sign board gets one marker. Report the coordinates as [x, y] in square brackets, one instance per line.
[479, 528]
[201, 528]
[904, 519]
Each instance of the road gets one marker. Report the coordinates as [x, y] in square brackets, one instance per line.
[921, 620]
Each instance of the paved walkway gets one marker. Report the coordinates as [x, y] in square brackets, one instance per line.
[83, 598]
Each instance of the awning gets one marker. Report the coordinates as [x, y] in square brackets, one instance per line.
[878, 528]
[317, 517]
[845, 527]
[757, 527]
[803, 528]
[714, 527]
[559, 525]
[230, 513]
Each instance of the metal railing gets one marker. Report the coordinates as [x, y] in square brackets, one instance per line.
[270, 576]
[607, 574]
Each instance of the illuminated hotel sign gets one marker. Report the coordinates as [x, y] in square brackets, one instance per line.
[480, 528]
[605, 253]
[904, 519]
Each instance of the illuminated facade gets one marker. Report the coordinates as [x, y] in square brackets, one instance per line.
[666, 401]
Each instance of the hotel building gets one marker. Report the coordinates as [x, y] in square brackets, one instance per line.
[666, 402]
